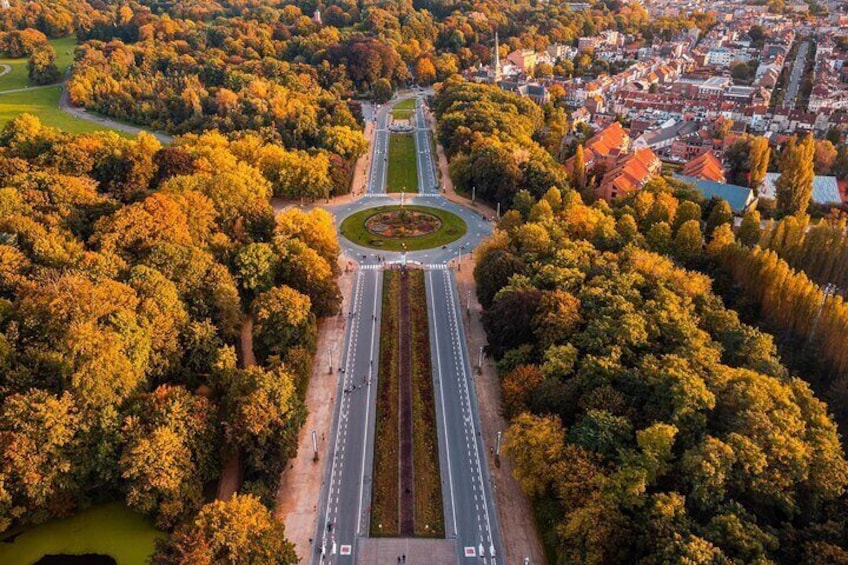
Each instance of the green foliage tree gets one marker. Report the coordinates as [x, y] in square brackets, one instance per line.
[720, 214]
[283, 320]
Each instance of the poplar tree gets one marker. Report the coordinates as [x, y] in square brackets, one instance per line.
[794, 187]
[759, 159]
[578, 175]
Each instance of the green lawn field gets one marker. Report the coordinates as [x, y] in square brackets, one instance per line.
[18, 77]
[403, 166]
[111, 529]
[404, 109]
[43, 103]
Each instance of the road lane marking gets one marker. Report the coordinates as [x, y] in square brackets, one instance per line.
[460, 353]
[442, 398]
[367, 405]
[341, 430]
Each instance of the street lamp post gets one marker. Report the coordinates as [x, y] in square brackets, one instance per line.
[480, 360]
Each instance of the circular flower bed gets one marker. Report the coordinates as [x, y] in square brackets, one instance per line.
[403, 223]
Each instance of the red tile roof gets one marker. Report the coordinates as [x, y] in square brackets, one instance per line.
[629, 173]
[705, 166]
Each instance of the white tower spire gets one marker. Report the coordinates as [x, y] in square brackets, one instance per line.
[497, 70]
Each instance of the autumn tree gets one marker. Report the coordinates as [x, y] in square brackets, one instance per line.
[168, 453]
[264, 415]
[40, 441]
[425, 72]
[759, 154]
[283, 320]
[794, 187]
[578, 174]
[240, 530]
[42, 65]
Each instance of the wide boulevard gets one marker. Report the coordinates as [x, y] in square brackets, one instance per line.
[343, 511]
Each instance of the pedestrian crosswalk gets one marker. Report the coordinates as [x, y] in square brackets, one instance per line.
[415, 264]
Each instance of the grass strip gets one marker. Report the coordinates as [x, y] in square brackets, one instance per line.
[429, 516]
[404, 109]
[384, 494]
[403, 165]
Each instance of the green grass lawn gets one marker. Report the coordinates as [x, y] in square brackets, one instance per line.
[111, 529]
[404, 109]
[353, 228]
[18, 77]
[403, 166]
[43, 103]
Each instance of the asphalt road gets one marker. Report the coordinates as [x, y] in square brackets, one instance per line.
[789, 100]
[468, 501]
[343, 510]
[427, 177]
[379, 151]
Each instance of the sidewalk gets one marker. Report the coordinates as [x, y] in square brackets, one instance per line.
[300, 485]
[515, 514]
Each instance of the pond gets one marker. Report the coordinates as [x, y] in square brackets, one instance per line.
[110, 534]
[86, 559]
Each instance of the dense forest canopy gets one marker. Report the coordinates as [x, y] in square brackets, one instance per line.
[127, 270]
[648, 423]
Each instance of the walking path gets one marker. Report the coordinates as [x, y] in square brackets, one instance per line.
[518, 526]
[82, 114]
[230, 479]
[300, 485]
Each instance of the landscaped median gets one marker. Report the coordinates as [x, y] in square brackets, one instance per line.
[398, 228]
[406, 495]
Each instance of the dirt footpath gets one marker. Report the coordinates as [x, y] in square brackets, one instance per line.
[515, 515]
[300, 484]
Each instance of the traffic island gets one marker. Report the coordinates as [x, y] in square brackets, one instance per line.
[399, 228]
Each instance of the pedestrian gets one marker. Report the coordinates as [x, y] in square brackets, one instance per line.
[404, 558]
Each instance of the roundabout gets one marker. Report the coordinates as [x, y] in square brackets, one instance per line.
[399, 228]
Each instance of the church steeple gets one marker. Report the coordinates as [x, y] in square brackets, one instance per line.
[496, 71]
